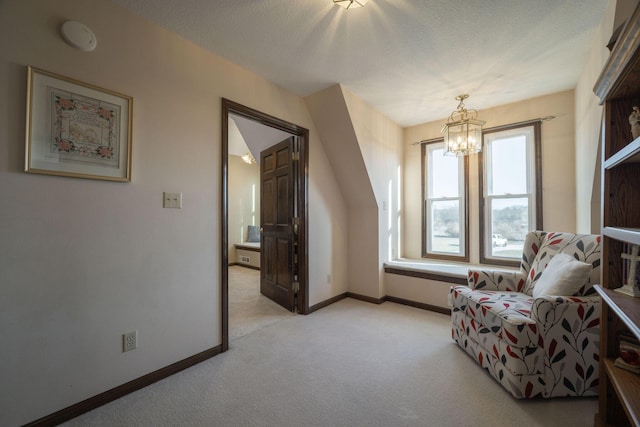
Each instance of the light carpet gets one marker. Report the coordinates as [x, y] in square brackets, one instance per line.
[249, 310]
[350, 364]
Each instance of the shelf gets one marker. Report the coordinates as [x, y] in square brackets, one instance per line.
[627, 387]
[631, 235]
[625, 307]
[629, 154]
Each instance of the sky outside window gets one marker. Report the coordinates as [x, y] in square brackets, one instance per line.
[509, 166]
[444, 169]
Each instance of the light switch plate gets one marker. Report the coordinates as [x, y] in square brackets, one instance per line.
[172, 200]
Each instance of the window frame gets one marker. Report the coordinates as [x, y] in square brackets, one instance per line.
[485, 229]
[464, 198]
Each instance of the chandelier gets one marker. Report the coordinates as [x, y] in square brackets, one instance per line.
[463, 131]
[350, 4]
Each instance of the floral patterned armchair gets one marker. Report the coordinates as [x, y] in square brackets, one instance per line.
[544, 346]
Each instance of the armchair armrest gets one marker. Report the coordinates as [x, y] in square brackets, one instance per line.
[492, 280]
[569, 333]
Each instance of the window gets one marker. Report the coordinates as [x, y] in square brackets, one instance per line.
[509, 187]
[510, 191]
[445, 203]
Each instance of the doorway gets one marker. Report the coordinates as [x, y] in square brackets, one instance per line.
[299, 196]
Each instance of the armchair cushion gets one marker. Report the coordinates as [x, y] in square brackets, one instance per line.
[564, 275]
[494, 309]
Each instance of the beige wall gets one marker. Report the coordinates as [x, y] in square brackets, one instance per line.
[244, 201]
[84, 261]
[365, 150]
[588, 124]
[328, 215]
[334, 124]
[380, 142]
[427, 291]
[558, 167]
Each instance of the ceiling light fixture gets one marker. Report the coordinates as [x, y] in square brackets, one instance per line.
[463, 131]
[350, 4]
[248, 158]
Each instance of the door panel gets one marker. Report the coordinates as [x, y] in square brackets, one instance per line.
[267, 214]
[282, 205]
[277, 212]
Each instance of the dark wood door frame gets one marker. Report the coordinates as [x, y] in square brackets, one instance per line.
[301, 195]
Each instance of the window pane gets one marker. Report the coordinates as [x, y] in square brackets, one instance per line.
[443, 174]
[508, 173]
[444, 230]
[445, 193]
[509, 225]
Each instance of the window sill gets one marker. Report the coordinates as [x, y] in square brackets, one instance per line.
[453, 272]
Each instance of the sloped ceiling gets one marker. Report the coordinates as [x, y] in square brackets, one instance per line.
[341, 144]
[408, 59]
[249, 135]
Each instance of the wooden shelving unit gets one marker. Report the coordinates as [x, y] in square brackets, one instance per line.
[618, 88]
[627, 386]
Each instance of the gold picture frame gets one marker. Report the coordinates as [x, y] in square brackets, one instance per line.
[77, 129]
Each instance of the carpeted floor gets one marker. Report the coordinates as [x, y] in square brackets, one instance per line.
[350, 364]
[249, 310]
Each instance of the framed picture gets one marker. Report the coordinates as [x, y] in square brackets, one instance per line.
[77, 129]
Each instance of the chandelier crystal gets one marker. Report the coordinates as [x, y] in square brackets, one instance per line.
[463, 131]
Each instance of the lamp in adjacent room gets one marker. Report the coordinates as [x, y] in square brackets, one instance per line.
[463, 131]
[248, 158]
[350, 4]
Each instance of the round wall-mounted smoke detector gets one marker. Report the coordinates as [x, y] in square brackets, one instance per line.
[79, 35]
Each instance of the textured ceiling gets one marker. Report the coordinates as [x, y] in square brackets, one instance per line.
[406, 58]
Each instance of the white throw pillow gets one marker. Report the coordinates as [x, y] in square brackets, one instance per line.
[564, 276]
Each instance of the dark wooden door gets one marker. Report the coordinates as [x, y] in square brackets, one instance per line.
[277, 212]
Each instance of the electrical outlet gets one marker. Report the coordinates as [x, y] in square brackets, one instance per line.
[172, 200]
[129, 341]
